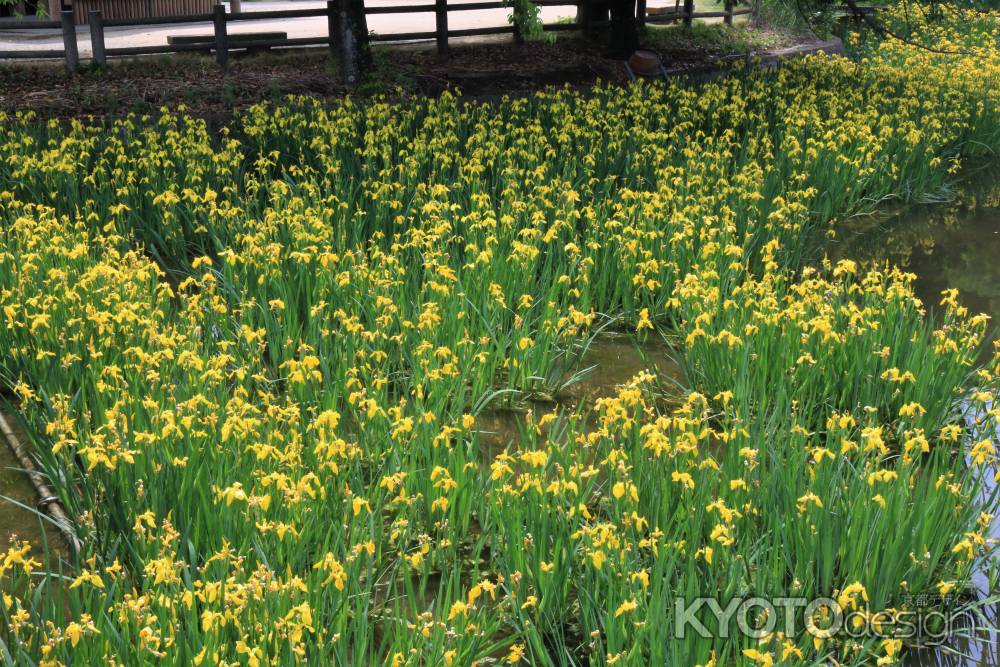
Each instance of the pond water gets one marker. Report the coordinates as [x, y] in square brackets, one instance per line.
[955, 244]
[947, 245]
[16, 522]
[608, 363]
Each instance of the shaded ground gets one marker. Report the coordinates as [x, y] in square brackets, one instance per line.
[481, 69]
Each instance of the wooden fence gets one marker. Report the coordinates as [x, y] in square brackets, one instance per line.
[685, 12]
[135, 9]
[592, 15]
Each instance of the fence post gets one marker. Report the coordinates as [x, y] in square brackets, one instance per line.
[728, 18]
[688, 12]
[333, 26]
[97, 37]
[221, 36]
[342, 25]
[69, 40]
[441, 26]
[640, 13]
[590, 12]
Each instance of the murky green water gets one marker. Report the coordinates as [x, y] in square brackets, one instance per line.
[610, 361]
[18, 523]
[949, 245]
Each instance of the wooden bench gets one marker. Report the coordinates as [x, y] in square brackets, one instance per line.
[240, 40]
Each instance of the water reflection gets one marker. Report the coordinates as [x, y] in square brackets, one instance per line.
[956, 244]
[614, 359]
[951, 245]
[974, 639]
[608, 363]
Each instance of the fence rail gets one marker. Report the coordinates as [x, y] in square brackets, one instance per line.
[592, 14]
[220, 19]
[28, 24]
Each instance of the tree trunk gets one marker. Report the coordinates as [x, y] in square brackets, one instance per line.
[624, 35]
[359, 27]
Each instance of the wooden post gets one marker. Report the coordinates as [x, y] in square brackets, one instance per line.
[97, 37]
[728, 18]
[343, 29]
[360, 26]
[69, 41]
[221, 36]
[640, 13]
[441, 26]
[688, 11]
[55, 8]
[333, 27]
[590, 12]
[585, 16]
[235, 6]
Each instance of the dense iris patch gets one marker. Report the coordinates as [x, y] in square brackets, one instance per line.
[256, 366]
